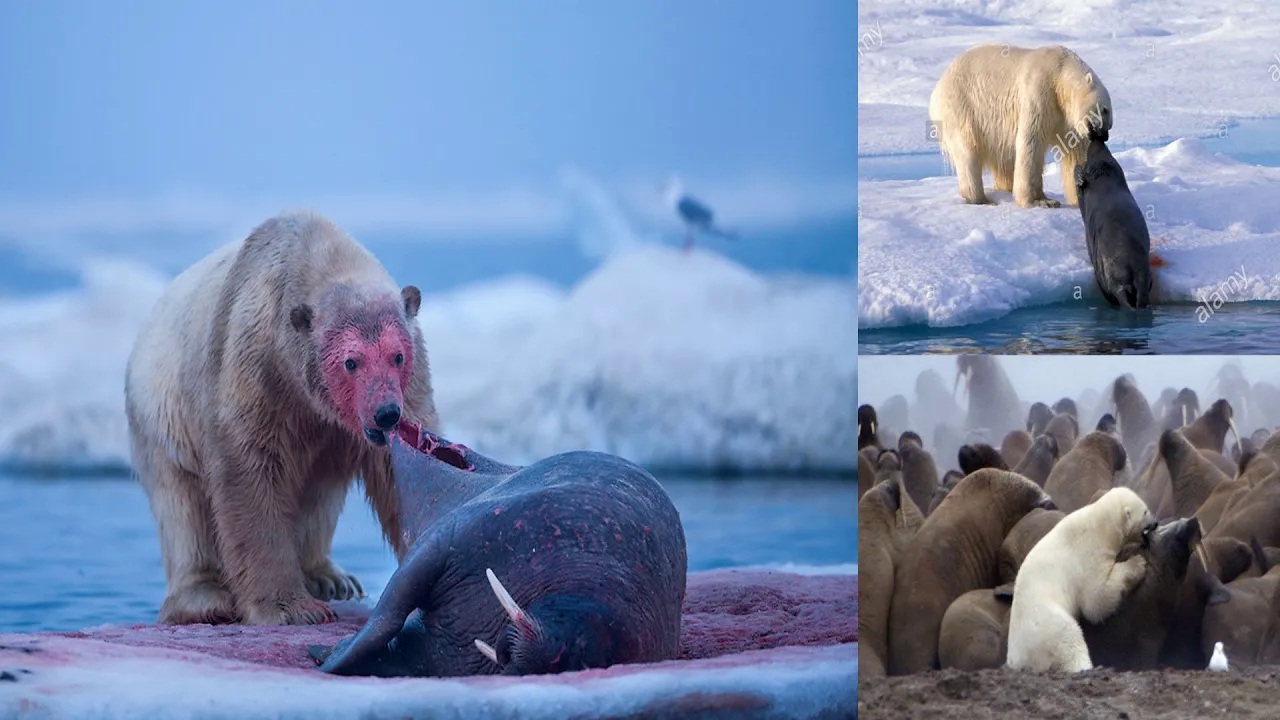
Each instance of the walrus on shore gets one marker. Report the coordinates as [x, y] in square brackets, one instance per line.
[1066, 405]
[1065, 429]
[868, 428]
[1241, 624]
[1209, 431]
[1038, 462]
[884, 532]
[572, 563]
[1253, 515]
[1201, 587]
[993, 403]
[1192, 478]
[263, 383]
[954, 552]
[1090, 467]
[867, 477]
[975, 630]
[1038, 418]
[1184, 408]
[975, 457]
[1137, 424]
[947, 484]
[1014, 446]
[1115, 230]
[919, 473]
[1024, 536]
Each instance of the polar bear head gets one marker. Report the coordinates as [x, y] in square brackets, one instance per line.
[1133, 519]
[362, 354]
[1087, 104]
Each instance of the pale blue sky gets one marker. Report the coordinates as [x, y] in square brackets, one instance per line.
[279, 98]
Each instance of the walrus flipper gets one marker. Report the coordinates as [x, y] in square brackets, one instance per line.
[371, 651]
[404, 656]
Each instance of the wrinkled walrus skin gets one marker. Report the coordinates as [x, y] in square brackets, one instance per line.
[588, 545]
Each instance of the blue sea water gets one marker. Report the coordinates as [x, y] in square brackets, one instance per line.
[1083, 328]
[1251, 328]
[82, 552]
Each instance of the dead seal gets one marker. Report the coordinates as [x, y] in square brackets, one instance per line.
[1115, 230]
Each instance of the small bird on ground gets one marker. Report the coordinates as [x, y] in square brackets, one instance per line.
[1219, 659]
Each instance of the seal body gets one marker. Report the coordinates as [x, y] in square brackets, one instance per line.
[1115, 230]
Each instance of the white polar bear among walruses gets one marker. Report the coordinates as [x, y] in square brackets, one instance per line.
[1076, 571]
[1004, 107]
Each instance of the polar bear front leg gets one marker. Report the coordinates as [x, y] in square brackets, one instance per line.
[1102, 596]
[256, 511]
[1028, 171]
[1068, 165]
[967, 161]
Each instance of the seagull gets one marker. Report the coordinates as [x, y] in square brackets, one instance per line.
[696, 216]
[1219, 659]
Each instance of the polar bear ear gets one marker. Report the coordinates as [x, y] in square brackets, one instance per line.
[412, 298]
[300, 318]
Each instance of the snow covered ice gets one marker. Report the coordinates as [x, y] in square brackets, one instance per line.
[926, 257]
[1175, 68]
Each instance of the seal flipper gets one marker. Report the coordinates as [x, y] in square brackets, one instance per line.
[371, 651]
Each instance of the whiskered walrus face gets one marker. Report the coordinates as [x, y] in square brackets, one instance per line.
[364, 351]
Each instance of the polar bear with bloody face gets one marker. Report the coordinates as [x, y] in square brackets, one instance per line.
[268, 377]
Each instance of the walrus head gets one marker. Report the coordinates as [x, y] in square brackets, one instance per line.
[363, 355]
[555, 634]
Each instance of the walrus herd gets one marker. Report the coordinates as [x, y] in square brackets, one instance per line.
[1069, 533]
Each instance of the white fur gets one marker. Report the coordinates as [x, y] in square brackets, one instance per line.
[1004, 107]
[1070, 574]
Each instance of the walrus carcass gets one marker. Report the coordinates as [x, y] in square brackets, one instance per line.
[574, 562]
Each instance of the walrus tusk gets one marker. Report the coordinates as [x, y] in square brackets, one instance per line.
[1204, 559]
[1184, 415]
[1239, 445]
[486, 650]
[514, 612]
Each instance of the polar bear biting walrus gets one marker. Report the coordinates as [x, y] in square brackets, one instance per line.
[1077, 570]
[266, 379]
[1004, 107]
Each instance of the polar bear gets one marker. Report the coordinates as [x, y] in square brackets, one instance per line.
[1076, 570]
[1004, 107]
[269, 375]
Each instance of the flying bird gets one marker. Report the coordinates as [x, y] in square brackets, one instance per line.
[694, 214]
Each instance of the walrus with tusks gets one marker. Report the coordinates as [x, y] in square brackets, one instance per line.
[574, 562]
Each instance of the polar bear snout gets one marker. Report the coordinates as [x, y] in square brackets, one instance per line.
[1148, 528]
[387, 416]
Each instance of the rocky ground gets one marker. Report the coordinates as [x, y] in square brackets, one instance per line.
[1102, 693]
